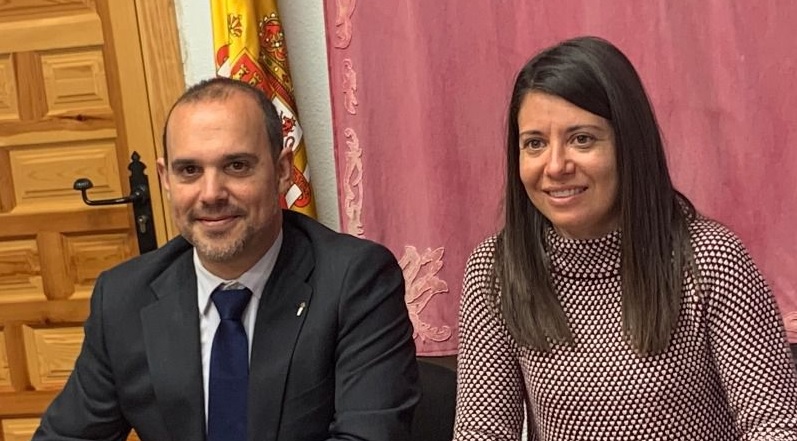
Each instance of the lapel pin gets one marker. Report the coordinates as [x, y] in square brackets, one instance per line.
[300, 310]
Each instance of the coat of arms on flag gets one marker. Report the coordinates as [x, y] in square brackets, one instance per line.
[249, 46]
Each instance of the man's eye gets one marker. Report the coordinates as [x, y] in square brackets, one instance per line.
[189, 170]
[238, 166]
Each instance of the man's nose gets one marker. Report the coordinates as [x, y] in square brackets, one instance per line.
[214, 187]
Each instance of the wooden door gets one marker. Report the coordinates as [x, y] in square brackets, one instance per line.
[73, 103]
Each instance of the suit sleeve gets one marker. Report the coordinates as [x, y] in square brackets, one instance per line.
[376, 374]
[87, 408]
[749, 347]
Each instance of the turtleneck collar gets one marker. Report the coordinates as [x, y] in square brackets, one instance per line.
[584, 259]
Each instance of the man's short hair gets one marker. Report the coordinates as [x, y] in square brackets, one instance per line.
[221, 88]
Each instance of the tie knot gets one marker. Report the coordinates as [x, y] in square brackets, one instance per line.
[231, 302]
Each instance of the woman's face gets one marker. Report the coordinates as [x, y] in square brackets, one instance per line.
[568, 165]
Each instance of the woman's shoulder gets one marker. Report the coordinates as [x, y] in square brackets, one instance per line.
[486, 248]
[710, 238]
[479, 291]
[718, 252]
[479, 268]
[484, 253]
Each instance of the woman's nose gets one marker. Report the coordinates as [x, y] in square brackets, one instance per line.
[559, 162]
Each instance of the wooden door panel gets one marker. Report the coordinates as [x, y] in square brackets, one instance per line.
[19, 429]
[79, 28]
[8, 95]
[43, 176]
[51, 353]
[74, 103]
[20, 271]
[5, 373]
[74, 82]
[22, 429]
[90, 254]
[44, 9]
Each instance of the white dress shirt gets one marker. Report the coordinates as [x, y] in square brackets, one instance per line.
[255, 279]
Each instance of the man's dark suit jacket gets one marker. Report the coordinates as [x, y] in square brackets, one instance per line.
[343, 369]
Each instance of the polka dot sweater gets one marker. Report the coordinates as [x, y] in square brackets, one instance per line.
[727, 375]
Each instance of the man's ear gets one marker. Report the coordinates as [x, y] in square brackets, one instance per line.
[163, 174]
[284, 170]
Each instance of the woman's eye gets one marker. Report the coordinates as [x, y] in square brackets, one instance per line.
[583, 140]
[533, 144]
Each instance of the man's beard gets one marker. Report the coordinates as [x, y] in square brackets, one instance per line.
[219, 247]
[220, 252]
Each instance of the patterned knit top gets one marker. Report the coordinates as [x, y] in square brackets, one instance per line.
[727, 374]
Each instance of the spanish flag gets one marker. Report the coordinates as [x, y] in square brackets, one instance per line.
[250, 46]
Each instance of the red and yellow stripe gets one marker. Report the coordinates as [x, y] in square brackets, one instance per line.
[249, 44]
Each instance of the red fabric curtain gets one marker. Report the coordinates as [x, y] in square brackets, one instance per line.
[419, 95]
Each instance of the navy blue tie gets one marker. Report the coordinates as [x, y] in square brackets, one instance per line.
[229, 368]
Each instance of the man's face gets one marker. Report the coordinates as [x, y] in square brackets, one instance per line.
[223, 183]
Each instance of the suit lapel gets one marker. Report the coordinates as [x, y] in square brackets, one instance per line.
[277, 327]
[171, 337]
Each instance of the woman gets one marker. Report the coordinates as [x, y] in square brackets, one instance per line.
[607, 304]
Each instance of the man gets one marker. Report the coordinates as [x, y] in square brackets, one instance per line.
[322, 318]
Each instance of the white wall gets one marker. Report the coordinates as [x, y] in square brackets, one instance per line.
[303, 21]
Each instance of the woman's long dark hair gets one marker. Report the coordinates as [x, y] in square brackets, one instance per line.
[594, 75]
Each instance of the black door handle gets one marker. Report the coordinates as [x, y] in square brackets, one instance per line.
[139, 197]
[85, 184]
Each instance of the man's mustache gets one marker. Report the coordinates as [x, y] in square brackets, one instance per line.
[216, 211]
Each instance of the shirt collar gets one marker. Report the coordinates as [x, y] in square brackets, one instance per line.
[254, 278]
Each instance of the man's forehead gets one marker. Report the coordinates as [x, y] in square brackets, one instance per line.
[191, 107]
[227, 115]
[227, 99]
